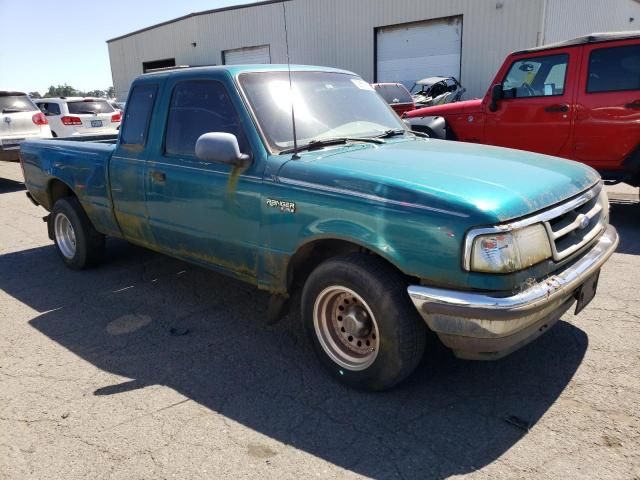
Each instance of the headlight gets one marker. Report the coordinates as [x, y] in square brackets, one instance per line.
[507, 252]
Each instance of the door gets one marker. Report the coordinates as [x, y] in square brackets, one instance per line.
[205, 212]
[247, 56]
[536, 111]
[127, 168]
[407, 53]
[608, 108]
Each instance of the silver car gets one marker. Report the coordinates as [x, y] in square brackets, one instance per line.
[19, 119]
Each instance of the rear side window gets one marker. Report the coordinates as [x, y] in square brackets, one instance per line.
[89, 106]
[614, 69]
[15, 103]
[536, 77]
[394, 93]
[49, 108]
[138, 114]
[198, 107]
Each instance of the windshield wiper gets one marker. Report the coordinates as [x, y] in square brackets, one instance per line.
[327, 142]
[92, 112]
[392, 133]
[11, 110]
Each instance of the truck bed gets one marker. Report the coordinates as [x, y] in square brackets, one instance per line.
[81, 164]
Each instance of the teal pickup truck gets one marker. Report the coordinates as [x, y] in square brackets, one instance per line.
[384, 233]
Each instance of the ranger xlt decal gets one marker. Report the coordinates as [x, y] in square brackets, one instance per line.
[283, 205]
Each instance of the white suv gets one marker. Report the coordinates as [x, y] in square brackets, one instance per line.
[19, 119]
[72, 116]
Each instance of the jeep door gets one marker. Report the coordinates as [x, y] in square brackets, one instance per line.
[608, 107]
[536, 111]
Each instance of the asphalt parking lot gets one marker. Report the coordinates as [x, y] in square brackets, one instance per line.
[151, 368]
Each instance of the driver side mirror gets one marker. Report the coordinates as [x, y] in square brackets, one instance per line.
[497, 93]
[221, 147]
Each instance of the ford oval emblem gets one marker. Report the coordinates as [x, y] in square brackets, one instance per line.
[583, 221]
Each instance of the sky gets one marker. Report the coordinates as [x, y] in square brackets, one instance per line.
[52, 43]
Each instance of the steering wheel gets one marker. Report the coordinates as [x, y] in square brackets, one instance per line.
[530, 91]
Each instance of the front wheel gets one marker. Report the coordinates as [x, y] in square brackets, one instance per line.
[358, 315]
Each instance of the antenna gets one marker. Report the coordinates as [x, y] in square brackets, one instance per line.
[295, 155]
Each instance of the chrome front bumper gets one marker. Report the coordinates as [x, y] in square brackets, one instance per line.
[481, 326]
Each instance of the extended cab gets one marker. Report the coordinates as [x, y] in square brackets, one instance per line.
[385, 233]
[578, 99]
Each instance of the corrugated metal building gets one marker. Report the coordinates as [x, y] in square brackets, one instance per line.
[382, 40]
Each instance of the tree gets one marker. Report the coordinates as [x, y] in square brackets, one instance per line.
[68, 91]
[35, 95]
[94, 93]
[63, 91]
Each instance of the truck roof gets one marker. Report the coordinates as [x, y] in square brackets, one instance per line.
[237, 69]
[586, 39]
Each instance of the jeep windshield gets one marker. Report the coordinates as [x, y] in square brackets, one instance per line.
[327, 105]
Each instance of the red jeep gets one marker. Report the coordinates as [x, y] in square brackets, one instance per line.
[578, 99]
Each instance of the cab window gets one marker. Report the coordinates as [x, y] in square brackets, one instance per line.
[138, 115]
[199, 107]
[536, 77]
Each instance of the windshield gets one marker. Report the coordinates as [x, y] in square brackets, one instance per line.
[90, 106]
[16, 103]
[327, 105]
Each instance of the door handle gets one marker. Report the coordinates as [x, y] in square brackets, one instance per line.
[635, 105]
[157, 176]
[557, 108]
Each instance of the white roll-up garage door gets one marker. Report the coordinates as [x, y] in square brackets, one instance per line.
[247, 55]
[409, 52]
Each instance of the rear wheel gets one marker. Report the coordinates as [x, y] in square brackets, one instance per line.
[79, 244]
[358, 316]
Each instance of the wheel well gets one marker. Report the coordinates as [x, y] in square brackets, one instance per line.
[58, 189]
[312, 254]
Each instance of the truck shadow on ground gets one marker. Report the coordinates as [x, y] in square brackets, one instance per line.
[625, 216]
[156, 320]
[8, 186]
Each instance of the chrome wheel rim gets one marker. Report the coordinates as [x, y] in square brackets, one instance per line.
[65, 235]
[346, 328]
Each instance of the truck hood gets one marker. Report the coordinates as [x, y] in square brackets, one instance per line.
[468, 180]
[468, 106]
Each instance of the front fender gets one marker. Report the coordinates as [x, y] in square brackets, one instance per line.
[435, 127]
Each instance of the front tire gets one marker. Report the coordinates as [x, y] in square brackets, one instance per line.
[358, 316]
[79, 244]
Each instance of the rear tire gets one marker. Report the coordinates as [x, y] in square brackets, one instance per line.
[79, 244]
[358, 316]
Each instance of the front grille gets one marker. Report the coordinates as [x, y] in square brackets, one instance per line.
[577, 223]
